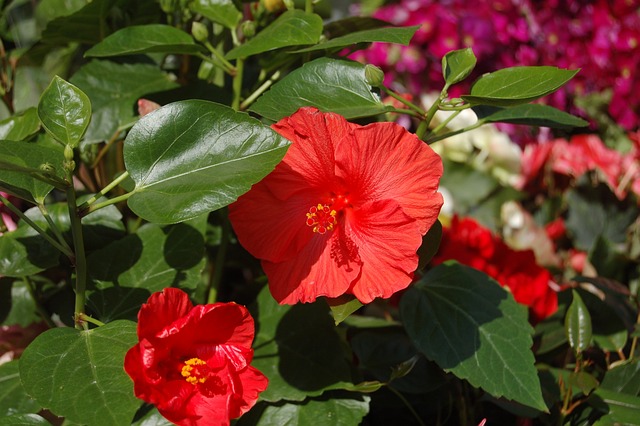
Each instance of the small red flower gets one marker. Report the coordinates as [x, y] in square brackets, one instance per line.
[192, 363]
[471, 244]
[345, 210]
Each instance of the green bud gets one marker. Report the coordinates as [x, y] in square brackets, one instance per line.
[248, 28]
[289, 4]
[199, 31]
[69, 166]
[68, 153]
[47, 167]
[373, 75]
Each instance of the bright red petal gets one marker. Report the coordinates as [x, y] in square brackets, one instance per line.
[326, 266]
[269, 228]
[386, 162]
[387, 240]
[162, 309]
[221, 324]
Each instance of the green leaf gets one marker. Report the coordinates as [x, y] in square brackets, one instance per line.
[13, 399]
[113, 90]
[222, 153]
[79, 375]
[343, 306]
[65, 112]
[292, 28]
[87, 25]
[624, 378]
[529, 115]
[223, 12]
[340, 410]
[620, 408]
[457, 65]
[399, 35]
[329, 84]
[152, 418]
[25, 420]
[517, 85]
[384, 353]
[153, 38]
[30, 155]
[595, 212]
[577, 324]
[470, 326]
[430, 244]
[24, 252]
[20, 126]
[298, 349]
[22, 309]
[123, 275]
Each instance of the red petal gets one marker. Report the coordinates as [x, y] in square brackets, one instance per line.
[325, 267]
[161, 310]
[388, 163]
[269, 228]
[221, 323]
[387, 240]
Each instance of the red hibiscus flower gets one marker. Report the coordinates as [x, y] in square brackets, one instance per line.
[192, 363]
[345, 210]
[471, 244]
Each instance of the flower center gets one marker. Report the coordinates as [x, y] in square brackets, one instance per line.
[195, 371]
[321, 218]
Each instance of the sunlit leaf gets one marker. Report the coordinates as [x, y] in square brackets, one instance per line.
[65, 111]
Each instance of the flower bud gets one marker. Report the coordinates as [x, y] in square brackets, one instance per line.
[373, 75]
[199, 31]
[68, 152]
[248, 28]
[273, 5]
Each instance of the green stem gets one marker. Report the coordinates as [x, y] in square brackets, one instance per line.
[405, 402]
[237, 84]
[308, 6]
[104, 191]
[54, 227]
[431, 112]
[41, 175]
[432, 139]
[259, 91]
[422, 129]
[66, 251]
[80, 259]
[226, 65]
[41, 311]
[404, 101]
[92, 208]
[216, 277]
[87, 318]
[445, 122]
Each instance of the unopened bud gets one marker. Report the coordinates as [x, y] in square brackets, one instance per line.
[248, 28]
[373, 75]
[68, 153]
[199, 31]
[273, 5]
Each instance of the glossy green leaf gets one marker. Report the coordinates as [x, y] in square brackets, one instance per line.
[25, 420]
[222, 153]
[153, 38]
[292, 28]
[529, 115]
[13, 399]
[470, 326]
[577, 324]
[65, 112]
[114, 90]
[152, 418]
[297, 348]
[48, 10]
[343, 410]
[30, 155]
[223, 12]
[20, 126]
[430, 244]
[343, 306]
[79, 375]
[517, 85]
[457, 65]
[87, 25]
[624, 378]
[21, 309]
[125, 273]
[620, 408]
[329, 84]
[398, 35]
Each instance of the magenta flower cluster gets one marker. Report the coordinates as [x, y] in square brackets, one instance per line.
[600, 37]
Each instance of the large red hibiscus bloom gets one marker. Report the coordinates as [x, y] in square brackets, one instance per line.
[345, 210]
[192, 363]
